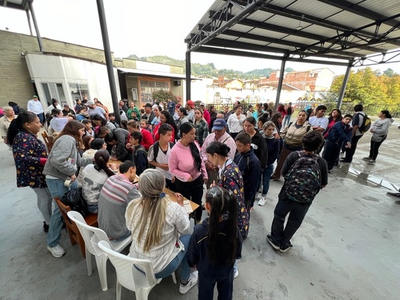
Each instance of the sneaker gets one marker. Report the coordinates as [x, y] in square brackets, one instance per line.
[192, 281]
[366, 158]
[56, 251]
[371, 162]
[285, 248]
[235, 274]
[258, 196]
[45, 227]
[262, 201]
[272, 243]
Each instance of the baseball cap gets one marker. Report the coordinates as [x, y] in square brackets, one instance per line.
[202, 104]
[34, 96]
[90, 103]
[190, 103]
[147, 105]
[219, 124]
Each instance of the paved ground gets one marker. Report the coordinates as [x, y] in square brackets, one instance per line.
[347, 247]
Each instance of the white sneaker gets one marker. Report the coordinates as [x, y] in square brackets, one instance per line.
[56, 251]
[235, 274]
[262, 201]
[192, 281]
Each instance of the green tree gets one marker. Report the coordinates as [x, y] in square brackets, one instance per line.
[364, 86]
[163, 96]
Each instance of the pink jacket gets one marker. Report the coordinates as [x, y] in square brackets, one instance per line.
[181, 163]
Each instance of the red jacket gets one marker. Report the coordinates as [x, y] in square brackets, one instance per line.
[147, 138]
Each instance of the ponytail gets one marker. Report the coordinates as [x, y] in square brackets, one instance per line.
[101, 158]
[17, 125]
[224, 205]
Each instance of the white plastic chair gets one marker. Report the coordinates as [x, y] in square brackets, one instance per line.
[91, 236]
[129, 276]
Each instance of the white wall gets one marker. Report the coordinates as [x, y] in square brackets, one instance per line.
[65, 70]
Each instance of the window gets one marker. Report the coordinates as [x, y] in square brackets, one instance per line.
[78, 91]
[147, 87]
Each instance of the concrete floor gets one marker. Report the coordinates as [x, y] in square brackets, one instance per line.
[347, 247]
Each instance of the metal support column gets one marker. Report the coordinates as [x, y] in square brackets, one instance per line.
[109, 63]
[36, 26]
[280, 82]
[188, 75]
[29, 21]
[344, 84]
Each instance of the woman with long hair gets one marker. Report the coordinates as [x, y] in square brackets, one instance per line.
[201, 126]
[60, 170]
[99, 122]
[30, 155]
[261, 121]
[165, 118]
[93, 178]
[230, 179]
[334, 117]
[188, 168]
[379, 134]
[292, 136]
[216, 244]
[160, 229]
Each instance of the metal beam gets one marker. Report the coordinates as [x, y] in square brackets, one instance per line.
[344, 84]
[109, 63]
[249, 9]
[280, 82]
[36, 25]
[188, 76]
[359, 10]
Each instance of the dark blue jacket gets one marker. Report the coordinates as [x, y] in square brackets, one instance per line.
[339, 133]
[250, 167]
[198, 250]
[274, 146]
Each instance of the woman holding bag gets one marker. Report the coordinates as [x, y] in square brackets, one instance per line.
[60, 170]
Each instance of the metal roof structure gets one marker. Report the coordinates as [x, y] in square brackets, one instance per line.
[301, 30]
[350, 33]
[17, 4]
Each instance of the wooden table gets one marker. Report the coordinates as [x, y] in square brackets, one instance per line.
[188, 204]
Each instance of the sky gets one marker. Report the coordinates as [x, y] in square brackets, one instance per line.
[143, 28]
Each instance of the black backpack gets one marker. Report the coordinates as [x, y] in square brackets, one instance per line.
[366, 123]
[75, 201]
[156, 148]
[303, 181]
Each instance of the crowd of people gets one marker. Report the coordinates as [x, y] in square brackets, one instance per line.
[235, 153]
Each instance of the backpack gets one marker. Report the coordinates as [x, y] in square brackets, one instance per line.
[156, 147]
[303, 181]
[365, 125]
[75, 201]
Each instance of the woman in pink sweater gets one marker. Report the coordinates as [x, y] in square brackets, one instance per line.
[186, 165]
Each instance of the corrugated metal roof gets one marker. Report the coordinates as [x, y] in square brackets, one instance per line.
[344, 30]
[154, 73]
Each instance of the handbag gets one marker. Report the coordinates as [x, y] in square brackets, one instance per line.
[75, 201]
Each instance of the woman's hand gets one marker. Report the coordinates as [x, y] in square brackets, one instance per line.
[190, 179]
[113, 166]
[179, 198]
[164, 167]
[213, 184]
[73, 177]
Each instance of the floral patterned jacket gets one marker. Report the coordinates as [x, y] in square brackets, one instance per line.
[232, 180]
[27, 151]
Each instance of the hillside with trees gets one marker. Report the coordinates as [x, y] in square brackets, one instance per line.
[209, 69]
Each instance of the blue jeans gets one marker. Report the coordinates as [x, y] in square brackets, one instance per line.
[180, 259]
[57, 190]
[286, 120]
[266, 178]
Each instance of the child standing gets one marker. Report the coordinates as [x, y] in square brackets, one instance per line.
[215, 245]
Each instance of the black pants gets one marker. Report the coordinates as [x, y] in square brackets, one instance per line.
[374, 150]
[193, 191]
[331, 153]
[350, 152]
[224, 286]
[297, 211]
[170, 185]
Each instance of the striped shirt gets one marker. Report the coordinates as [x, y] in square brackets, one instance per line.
[115, 195]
